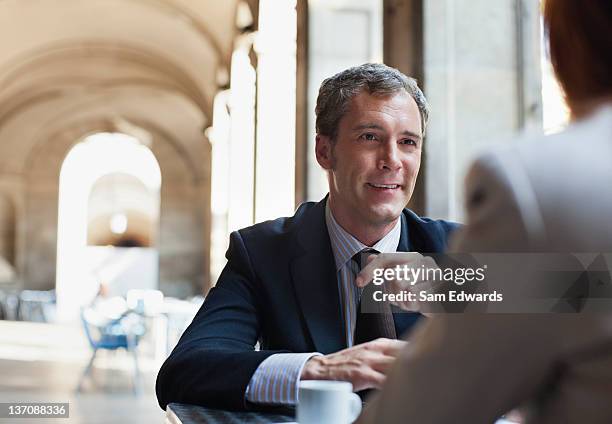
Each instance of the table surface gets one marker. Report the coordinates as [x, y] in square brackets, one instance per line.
[178, 413]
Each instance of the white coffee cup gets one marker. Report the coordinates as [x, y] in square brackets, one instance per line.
[327, 402]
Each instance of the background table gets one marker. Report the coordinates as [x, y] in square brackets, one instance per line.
[178, 413]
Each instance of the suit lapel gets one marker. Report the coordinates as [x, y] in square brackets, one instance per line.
[315, 281]
[404, 243]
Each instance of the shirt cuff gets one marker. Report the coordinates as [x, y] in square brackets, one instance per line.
[275, 379]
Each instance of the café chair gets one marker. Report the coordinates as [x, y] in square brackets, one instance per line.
[124, 332]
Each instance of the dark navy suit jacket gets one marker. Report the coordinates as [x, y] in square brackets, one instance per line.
[280, 288]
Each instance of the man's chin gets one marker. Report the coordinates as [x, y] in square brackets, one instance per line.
[385, 214]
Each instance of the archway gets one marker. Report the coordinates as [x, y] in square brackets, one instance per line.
[91, 164]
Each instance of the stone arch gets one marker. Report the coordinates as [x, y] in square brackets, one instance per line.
[143, 67]
[184, 214]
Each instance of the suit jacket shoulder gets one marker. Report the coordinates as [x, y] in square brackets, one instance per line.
[269, 234]
[426, 235]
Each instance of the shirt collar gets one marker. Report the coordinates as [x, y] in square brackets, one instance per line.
[345, 245]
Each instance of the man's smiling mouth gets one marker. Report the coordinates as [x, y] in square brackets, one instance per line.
[384, 186]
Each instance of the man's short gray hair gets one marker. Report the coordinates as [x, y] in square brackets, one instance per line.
[376, 79]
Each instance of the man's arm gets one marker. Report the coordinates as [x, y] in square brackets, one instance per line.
[275, 381]
[215, 358]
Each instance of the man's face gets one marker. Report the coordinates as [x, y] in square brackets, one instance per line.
[374, 161]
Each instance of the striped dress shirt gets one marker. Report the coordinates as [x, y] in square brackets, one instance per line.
[276, 379]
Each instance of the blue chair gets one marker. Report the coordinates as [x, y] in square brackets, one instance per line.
[124, 332]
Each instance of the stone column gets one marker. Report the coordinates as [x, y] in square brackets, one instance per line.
[482, 79]
[275, 46]
[242, 138]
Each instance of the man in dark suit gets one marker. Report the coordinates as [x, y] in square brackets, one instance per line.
[289, 283]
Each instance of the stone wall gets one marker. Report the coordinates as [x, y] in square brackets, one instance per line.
[184, 214]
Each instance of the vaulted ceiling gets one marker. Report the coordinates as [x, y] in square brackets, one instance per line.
[154, 64]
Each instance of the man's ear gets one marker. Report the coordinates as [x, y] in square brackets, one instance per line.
[323, 151]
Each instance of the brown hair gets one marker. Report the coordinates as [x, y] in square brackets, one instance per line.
[580, 41]
[377, 79]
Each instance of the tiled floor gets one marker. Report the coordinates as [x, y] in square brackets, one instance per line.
[43, 363]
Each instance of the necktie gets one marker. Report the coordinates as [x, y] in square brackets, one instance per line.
[376, 319]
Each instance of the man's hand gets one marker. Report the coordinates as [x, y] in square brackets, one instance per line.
[364, 365]
[415, 283]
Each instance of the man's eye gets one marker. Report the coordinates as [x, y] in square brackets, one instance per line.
[368, 137]
[409, 142]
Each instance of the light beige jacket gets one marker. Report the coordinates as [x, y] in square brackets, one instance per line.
[551, 194]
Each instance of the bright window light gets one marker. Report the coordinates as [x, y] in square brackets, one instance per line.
[118, 223]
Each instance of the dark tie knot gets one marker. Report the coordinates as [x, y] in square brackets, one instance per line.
[360, 257]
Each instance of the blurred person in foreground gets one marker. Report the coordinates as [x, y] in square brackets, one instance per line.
[545, 195]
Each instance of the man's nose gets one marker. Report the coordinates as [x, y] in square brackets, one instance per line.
[390, 157]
